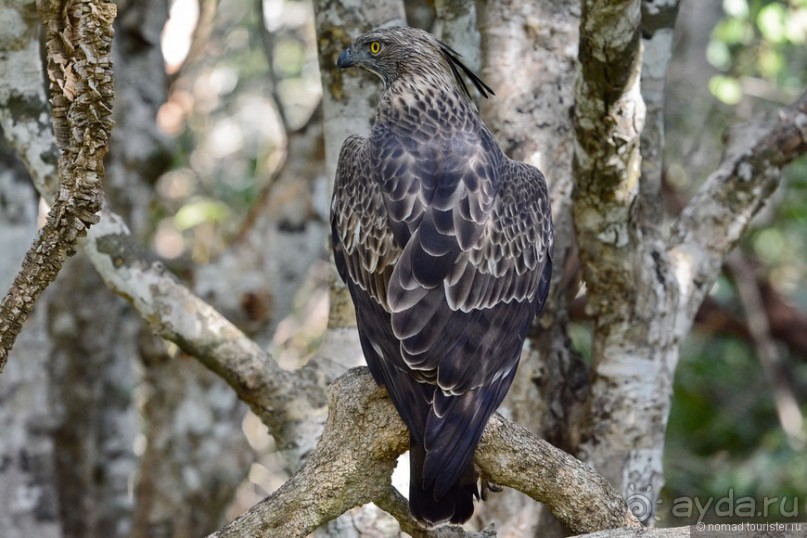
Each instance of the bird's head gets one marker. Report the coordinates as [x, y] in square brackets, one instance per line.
[379, 52]
[396, 51]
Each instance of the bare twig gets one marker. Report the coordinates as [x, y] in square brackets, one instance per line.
[715, 219]
[357, 453]
[787, 405]
[81, 83]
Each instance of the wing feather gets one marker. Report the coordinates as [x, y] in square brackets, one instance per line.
[446, 248]
[363, 246]
[478, 237]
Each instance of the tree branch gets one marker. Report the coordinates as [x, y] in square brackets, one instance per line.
[289, 403]
[397, 506]
[784, 397]
[714, 220]
[285, 401]
[357, 453]
[81, 83]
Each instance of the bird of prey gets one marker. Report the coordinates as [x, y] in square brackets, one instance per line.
[445, 246]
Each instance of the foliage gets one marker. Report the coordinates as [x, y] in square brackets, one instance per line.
[758, 47]
[724, 435]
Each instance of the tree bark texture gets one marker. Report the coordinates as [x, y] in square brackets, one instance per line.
[186, 413]
[92, 373]
[358, 450]
[630, 291]
[81, 83]
[643, 284]
[28, 496]
[91, 382]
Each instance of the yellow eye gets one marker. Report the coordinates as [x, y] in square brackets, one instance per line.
[375, 47]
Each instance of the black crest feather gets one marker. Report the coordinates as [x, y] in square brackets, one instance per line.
[456, 65]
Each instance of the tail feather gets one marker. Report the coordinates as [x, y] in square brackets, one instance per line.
[456, 505]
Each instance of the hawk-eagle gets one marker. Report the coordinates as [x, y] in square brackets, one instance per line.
[445, 245]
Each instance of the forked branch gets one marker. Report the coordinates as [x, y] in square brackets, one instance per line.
[357, 453]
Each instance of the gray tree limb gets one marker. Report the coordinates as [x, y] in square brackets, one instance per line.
[285, 401]
[643, 288]
[196, 327]
[288, 402]
[357, 452]
[712, 222]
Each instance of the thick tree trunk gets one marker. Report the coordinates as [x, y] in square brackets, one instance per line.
[90, 391]
[529, 52]
[632, 295]
[187, 414]
[348, 108]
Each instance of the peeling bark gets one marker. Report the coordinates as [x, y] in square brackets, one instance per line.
[80, 71]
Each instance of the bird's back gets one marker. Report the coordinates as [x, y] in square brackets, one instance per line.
[445, 246]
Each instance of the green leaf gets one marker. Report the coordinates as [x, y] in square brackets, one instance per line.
[726, 89]
[771, 22]
[200, 211]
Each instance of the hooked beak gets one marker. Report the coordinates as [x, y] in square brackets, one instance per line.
[345, 59]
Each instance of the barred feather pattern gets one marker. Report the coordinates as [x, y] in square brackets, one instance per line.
[445, 245]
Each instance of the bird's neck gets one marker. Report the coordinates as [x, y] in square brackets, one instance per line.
[424, 97]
